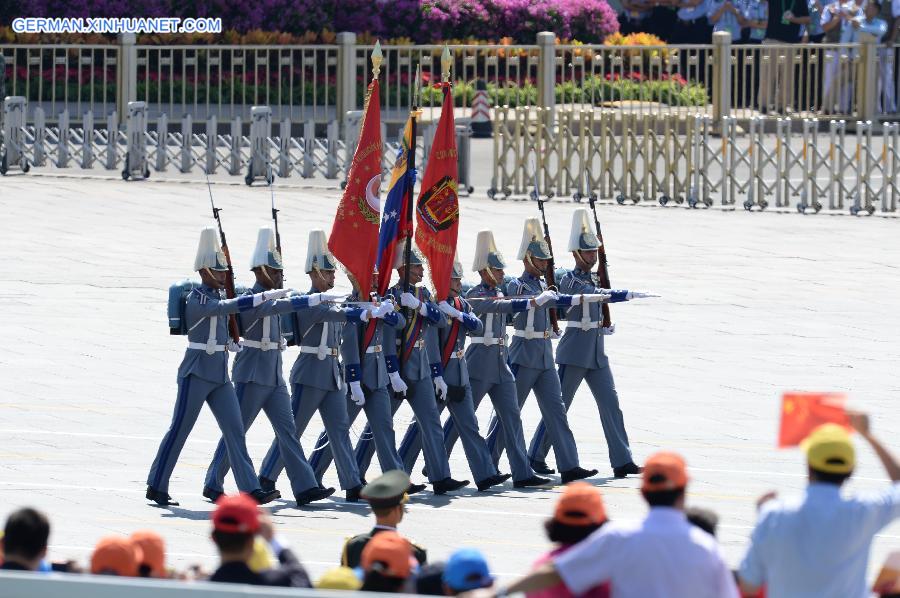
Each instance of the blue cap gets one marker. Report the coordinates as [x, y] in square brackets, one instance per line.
[467, 569]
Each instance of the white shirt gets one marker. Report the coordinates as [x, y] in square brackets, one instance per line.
[817, 545]
[662, 556]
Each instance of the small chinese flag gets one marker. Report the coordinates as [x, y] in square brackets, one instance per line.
[803, 412]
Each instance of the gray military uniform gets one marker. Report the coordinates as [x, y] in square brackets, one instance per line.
[531, 362]
[367, 365]
[203, 378]
[260, 385]
[580, 356]
[462, 408]
[317, 384]
[416, 372]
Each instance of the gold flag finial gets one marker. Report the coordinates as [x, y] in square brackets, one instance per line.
[445, 64]
[377, 59]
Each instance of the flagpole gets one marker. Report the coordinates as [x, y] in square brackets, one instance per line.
[411, 165]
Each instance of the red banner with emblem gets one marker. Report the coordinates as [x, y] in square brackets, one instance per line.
[354, 235]
[437, 209]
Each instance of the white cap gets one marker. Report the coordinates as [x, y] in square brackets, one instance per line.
[265, 253]
[582, 237]
[318, 257]
[486, 253]
[533, 241]
[209, 252]
[416, 256]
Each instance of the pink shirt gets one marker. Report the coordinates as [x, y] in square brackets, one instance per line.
[560, 590]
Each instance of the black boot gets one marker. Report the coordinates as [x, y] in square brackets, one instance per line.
[541, 468]
[630, 468]
[577, 473]
[312, 495]
[160, 498]
[212, 495]
[266, 484]
[262, 497]
[415, 488]
[494, 480]
[448, 485]
[353, 493]
[531, 482]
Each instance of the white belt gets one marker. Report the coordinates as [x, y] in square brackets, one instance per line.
[416, 345]
[532, 334]
[583, 325]
[457, 354]
[487, 340]
[320, 351]
[208, 347]
[263, 345]
[374, 349]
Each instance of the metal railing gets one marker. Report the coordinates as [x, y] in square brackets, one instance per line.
[323, 83]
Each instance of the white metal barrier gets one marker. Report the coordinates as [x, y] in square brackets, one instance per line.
[136, 165]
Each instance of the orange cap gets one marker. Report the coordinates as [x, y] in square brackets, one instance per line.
[154, 549]
[580, 504]
[237, 514]
[664, 471]
[117, 556]
[388, 553]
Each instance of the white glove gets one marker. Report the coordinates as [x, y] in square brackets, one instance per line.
[259, 299]
[397, 383]
[640, 295]
[440, 388]
[450, 310]
[382, 310]
[365, 315]
[317, 298]
[556, 335]
[608, 331]
[545, 297]
[597, 298]
[275, 294]
[576, 300]
[409, 300]
[356, 394]
[233, 347]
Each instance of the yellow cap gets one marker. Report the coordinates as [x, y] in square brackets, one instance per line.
[262, 556]
[829, 449]
[340, 578]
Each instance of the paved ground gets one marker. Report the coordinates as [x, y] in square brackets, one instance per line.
[753, 305]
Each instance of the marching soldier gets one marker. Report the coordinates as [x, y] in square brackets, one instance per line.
[203, 376]
[580, 353]
[449, 344]
[362, 350]
[418, 381]
[487, 361]
[258, 377]
[387, 496]
[317, 380]
[531, 352]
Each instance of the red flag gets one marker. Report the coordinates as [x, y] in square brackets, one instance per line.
[803, 412]
[437, 209]
[354, 235]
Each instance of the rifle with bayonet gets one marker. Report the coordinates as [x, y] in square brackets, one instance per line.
[550, 272]
[233, 330]
[602, 264]
[275, 211]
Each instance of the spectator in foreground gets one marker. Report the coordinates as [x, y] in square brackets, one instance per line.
[236, 522]
[153, 549]
[705, 519]
[388, 563]
[115, 555]
[24, 543]
[430, 579]
[662, 556]
[579, 513]
[339, 578]
[466, 570]
[818, 544]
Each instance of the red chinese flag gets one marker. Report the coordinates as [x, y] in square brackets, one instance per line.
[437, 209]
[354, 235]
[803, 412]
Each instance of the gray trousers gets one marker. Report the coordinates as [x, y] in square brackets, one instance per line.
[545, 384]
[463, 414]
[503, 397]
[332, 406]
[424, 405]
[192, 393]
[276, 402]
[604, 390]
[380, 428]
